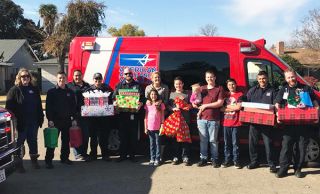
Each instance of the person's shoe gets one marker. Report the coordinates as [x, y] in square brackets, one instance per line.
[151, 162]
[298, 173]
[175, 161]
[237, 165]
[273, 169]
[156, 163]
[252, 166]
[49, 166]
[187, 161]
[34, 161]
[281, 173]
[226, 164]
[120, 159]
[66, 161]
[202, 162]
[215, 164]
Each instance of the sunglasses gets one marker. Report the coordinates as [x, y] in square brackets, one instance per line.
[127, 73]
[25, 76]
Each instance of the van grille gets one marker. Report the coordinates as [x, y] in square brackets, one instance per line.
[4, 140]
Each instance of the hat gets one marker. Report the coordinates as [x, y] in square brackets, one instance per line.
[97, 76]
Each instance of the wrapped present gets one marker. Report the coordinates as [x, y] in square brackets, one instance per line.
[257, 118]
[75, 134]
[97, 111]
[127, 103]
[96, 98]
[298, 116]
[51, 137]
[257, 105]
[129, 92]
[258, 110]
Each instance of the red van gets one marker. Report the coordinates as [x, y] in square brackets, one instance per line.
[188, 57]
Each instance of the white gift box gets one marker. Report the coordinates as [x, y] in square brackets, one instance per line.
[97, 111]
[257, 105]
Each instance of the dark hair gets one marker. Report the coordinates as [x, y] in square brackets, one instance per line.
[263, 73]
[77, 70]
[231, 80]
[211, 71]
[149, 94]
[61, 73]
[178, 78]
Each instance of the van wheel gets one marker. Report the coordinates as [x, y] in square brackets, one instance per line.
[313, 152]
[114, 141]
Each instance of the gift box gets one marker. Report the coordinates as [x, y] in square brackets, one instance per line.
[97, 111]
[257, 118]
[127, 103]
[257, 105]
[257, 110]
[129, 92]
[298, 116]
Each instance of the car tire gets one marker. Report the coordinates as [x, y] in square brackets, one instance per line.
[313, 152]
[114, 142]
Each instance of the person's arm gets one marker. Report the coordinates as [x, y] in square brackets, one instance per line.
[49, 106]
[279, 98]
[11, 101]
[40, 109]
[166, 95]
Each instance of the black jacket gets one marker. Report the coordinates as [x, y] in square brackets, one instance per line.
[261, 95]
[78, 90]
[60, 104]
[14, 104]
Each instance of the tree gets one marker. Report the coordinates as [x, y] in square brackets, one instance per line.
[126, 30]
[49, 14]
[83, 18]
[209, 30]
[309, 35]
[294, 63]
[11, 16]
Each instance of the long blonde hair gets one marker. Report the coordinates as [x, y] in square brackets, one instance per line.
[18, 82]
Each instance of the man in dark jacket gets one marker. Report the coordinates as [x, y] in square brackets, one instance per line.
[60, 112]
[100, 126]
[262, 93]
[24, 101]
[293, 134]
[128, 125]
[78, 86]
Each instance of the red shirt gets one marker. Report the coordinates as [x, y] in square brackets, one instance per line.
[210, 96]
[231, 119]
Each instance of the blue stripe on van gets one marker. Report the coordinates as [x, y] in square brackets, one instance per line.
[113, 59]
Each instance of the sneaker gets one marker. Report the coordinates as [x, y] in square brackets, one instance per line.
[66, 161]
[175, 161]
[202, 162]
[226, 164]
[151, 162]
[156, 163]
[187, 161]
[237, 165]
[215, 164]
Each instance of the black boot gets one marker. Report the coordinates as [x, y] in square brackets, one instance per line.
[34, 161]
[19, 164]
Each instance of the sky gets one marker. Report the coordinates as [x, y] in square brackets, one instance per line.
[274, 20]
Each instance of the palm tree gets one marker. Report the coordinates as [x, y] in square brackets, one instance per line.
[49, 14]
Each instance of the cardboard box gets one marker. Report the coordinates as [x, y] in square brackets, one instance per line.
[257, 118]
[257, 105]
[257, 110]
[97, 111]
[298, 116]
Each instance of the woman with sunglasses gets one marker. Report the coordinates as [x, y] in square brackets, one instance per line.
[24, 101]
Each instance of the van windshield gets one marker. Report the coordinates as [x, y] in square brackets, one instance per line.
[192, 66]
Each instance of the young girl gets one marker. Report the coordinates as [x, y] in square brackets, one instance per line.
[231, 124]
[153, 122]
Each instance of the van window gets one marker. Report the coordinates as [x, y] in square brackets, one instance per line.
[191, 66]
[275, 74]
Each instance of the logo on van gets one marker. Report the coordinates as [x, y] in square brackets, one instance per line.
[138, 60]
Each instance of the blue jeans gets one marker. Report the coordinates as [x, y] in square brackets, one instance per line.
[208, 132]
[154, 145]
[231, 142]
[30, 134]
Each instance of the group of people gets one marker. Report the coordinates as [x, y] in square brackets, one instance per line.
[163, 110]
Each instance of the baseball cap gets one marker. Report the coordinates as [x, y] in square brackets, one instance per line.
[97, 76]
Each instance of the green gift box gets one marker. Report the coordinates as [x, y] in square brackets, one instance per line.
[51, 137]
[127, 103]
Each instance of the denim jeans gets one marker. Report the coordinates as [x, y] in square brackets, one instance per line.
[208, 132]
[30, 134]
[154, 145]
[231, 142]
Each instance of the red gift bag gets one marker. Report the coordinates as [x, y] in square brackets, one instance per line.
[298, 116]
[75, 136]
[257, 118]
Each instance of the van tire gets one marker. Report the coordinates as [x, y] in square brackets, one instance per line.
[313, 152]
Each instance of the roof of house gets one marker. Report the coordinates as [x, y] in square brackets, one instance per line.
[52, 61]
[9, 47]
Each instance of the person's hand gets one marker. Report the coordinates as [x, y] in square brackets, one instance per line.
[115, 103]
[202, 107]
[50, 124]
[74, 123]
[146, 131]
[175, 109]
[148, 103]
[194, 105]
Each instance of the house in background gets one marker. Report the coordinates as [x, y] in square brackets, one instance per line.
[49, 69]
[309, 58]
[14, 54]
